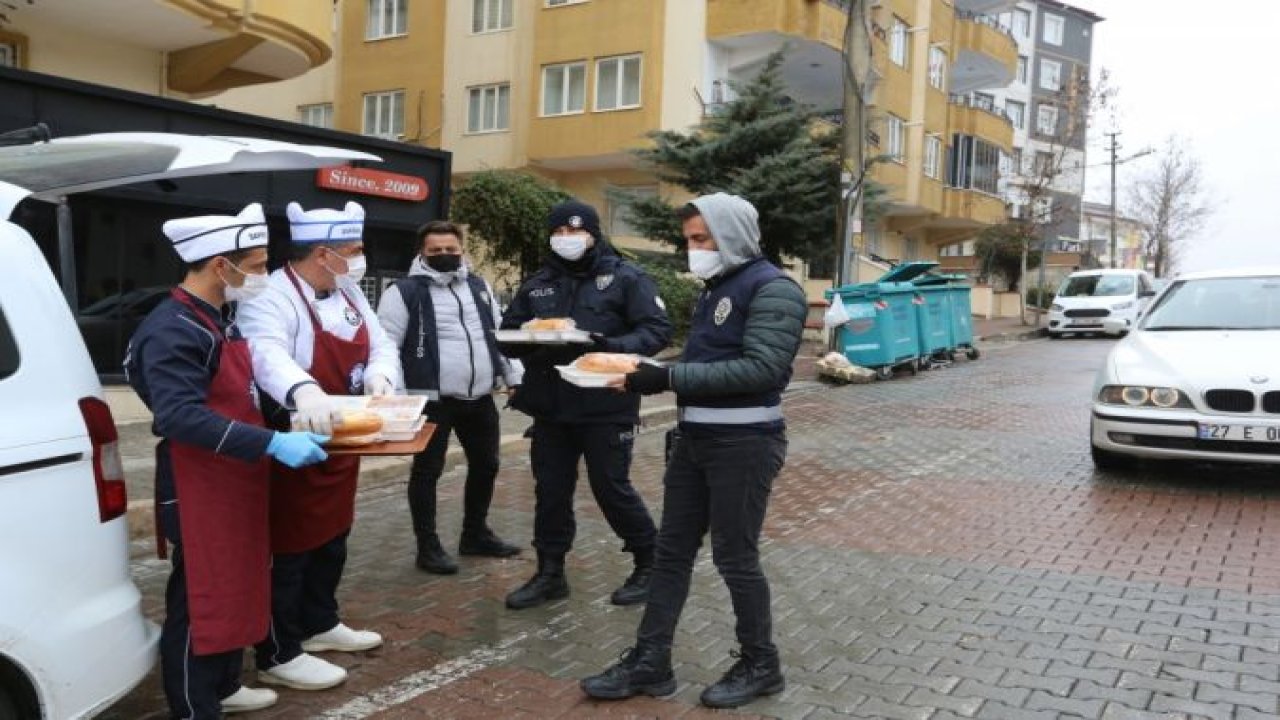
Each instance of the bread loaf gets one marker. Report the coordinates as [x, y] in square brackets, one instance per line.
[358, 427]
[611, 363]
[549, 324]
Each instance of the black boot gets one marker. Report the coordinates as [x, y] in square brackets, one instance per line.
[643, 670]
[547, 584]
[747, 680]
[636, 588]
[432, 557]
[485, 543]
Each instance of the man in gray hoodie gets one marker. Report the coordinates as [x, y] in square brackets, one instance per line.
[442, 318]
[729, 445]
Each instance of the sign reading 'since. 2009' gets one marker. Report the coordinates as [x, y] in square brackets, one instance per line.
[373, 182]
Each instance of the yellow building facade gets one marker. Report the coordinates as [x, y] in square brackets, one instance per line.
[564, 88]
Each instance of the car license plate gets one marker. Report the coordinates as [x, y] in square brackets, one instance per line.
[1243, 433]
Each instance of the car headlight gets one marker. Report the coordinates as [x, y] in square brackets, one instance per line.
[1122, 306]
[1141, 396]
[1056, 307]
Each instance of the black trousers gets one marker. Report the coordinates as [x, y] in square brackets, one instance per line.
[718, 482]
[194, 685]
[476, 424]
[554, 454]
[304, 600]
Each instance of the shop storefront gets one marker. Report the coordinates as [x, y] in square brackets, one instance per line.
[114, 262]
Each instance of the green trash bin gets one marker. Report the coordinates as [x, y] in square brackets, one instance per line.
[883, 331]
[959, 309]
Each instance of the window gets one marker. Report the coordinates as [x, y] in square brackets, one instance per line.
[386, 19]
[897, 138]
[619, 200]
[9, 54]
[911, 249]
[491, 15]
[489, 108]
[1053, 28]
[384, 114]
[557, 3]
[975, 164]
[1050, 74]
[319, 115]
[1022, 23]
[898, 42]
[1043, 163]
[1016, 112]
[1042, 212]
[564, 88]
[938, 67]
[1047, 120]
[618, 83]
[1022, 69]
[932, 157]
[1015, 161]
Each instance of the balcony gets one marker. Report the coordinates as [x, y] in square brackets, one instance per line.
[980, 118]
[743, 33]
[986, 54]
[970, 208]
[210, 45]
[987, 7]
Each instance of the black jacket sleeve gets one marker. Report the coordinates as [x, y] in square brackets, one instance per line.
[650, 328]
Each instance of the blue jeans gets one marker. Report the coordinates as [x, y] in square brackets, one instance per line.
[719, 482]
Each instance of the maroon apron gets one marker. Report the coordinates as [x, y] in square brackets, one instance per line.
[222, 509]
[313, 505]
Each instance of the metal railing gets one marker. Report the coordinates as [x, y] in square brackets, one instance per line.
[985, 104]
[990, 21]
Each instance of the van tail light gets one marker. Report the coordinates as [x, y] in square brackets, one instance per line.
[108, 471]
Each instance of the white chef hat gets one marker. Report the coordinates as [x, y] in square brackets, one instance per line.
[325, 225]
[203, 237]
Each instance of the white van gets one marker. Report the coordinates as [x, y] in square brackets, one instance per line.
[73, 638]
[1096, 301]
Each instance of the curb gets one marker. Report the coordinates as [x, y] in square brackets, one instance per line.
[385, 472]
[1015, 336]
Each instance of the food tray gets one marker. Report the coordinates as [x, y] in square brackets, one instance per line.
[543, 337]
[400, 413]
[409, 447]
[409, 433]
[582, 378]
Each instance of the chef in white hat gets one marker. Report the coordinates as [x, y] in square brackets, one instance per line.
[190, 365]
[314, 337]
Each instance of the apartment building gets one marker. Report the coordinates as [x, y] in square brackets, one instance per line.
[1048, 107]
[1095, 237]
[564, 88]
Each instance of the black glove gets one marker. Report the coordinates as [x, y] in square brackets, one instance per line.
[649, 379]
[600, 343]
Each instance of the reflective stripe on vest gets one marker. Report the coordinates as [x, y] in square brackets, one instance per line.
[730, 416]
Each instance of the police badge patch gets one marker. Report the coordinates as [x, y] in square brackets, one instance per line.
[575, 222]
[353, 317]
[603, 282]
[723, 308]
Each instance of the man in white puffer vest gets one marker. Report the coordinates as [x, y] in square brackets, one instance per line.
[442, 318]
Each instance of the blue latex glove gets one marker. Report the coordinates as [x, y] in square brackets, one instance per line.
[297, 449]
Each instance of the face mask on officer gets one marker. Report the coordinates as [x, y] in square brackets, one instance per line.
[571, 247]
[443, 262]
[706, 264]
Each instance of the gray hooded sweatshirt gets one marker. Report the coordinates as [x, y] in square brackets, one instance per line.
[775, 317]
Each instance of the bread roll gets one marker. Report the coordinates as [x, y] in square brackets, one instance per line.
[358, 427]
[549, 324]
[611, 363]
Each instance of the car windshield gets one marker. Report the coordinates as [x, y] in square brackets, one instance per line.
[1248, 303]
[49, 165]
[1096, 286]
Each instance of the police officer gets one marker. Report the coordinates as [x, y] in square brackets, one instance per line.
[729, 446]
[190, 366]
[584, 279]
[314, 337]
[442, 318]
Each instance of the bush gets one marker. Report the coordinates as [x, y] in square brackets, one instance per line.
[1040, 297]
[679, 292]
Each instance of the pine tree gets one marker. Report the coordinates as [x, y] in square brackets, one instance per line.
[764, 147]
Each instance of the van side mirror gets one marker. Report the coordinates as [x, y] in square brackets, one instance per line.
[1147, 293]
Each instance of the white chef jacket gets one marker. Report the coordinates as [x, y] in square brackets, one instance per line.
[281, 337]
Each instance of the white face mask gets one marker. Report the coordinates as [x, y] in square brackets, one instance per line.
[356, 267]
[706, 264]
[570, 247]
[253, 286]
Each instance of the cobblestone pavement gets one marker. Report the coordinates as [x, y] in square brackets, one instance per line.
[939, 547]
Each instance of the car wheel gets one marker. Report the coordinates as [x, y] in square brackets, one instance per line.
[973, 353]
[884, 373]
[1055, 336]
[1108, 460]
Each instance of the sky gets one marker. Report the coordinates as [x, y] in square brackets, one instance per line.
[1200, 70]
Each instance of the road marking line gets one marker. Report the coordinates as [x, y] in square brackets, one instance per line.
[434, 678]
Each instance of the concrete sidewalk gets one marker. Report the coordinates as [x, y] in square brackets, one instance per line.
[1005, 329]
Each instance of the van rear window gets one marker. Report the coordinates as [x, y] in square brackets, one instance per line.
[8, 349]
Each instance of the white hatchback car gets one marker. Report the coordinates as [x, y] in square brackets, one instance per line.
[1087, 299]
[73, 638]
[1198, 378]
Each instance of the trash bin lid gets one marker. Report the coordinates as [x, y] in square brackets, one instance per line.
[907, 271]
[940, 279]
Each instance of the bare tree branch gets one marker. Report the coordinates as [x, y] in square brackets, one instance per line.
[1172, 204]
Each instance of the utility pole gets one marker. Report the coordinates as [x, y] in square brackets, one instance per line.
[856, 74]
[1113, 148]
